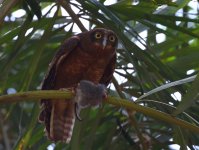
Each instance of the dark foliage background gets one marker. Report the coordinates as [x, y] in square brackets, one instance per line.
[158, 45]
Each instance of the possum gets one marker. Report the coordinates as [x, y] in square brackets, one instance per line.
[88, 94]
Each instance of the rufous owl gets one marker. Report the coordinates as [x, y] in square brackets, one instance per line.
[87, 56]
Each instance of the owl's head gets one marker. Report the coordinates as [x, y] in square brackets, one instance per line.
[103, 37]
[99, 40]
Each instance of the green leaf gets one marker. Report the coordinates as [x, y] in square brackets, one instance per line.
[190, 98]
[168, 85]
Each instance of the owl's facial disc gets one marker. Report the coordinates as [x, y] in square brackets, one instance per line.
[104, 39]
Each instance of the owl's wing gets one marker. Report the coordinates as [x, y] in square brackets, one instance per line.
[108, 73]
[52, 112]
[65, 49]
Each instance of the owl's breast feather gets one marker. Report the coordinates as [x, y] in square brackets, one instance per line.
[80, 65]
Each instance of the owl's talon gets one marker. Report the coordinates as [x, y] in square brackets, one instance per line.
[63, 89]
[68, 89]
[105, 96]
[77, 112]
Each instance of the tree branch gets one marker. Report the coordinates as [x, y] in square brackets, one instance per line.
[5, 8]
[36, 96]
[65, 4]
[52, 94]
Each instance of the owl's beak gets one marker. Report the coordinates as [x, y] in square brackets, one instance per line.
[104, 42]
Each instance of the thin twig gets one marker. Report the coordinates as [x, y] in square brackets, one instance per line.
[131, 114]
[65, 4]
[5, 136]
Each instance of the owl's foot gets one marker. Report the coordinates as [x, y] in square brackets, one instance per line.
[105, 95]
[68, 89]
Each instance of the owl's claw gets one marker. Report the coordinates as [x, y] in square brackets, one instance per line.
[105, 96]
[68, 89]
[77, 112]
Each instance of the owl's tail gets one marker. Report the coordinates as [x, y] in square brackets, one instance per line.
[62, 121]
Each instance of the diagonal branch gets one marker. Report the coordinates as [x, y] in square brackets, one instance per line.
[65, 4]
[5, 136]
[51, 94]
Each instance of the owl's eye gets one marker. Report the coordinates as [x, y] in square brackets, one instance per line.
[112, 38]
[98, 35]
